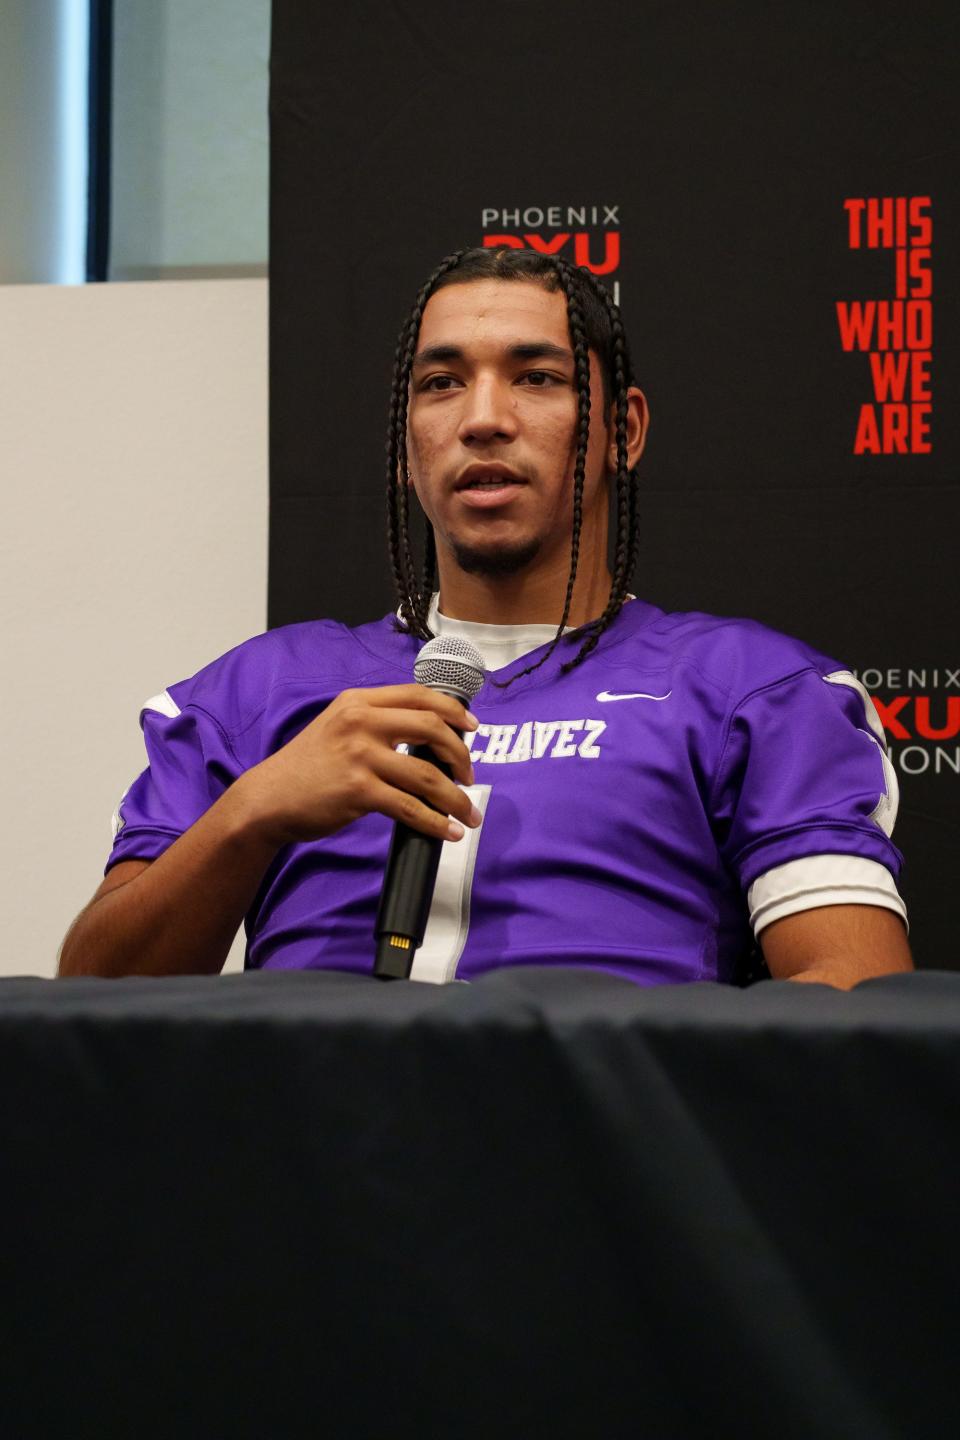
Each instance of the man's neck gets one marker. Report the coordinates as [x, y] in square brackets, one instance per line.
[528, 598]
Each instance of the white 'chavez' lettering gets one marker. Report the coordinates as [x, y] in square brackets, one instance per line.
[535, 740]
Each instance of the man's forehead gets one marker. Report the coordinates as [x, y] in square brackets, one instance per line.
[495, 309]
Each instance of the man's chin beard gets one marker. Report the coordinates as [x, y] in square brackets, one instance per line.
[495, 560]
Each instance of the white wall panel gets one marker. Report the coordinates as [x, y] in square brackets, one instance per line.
[133, 543]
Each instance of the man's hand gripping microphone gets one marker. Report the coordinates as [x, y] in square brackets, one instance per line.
[455, 667]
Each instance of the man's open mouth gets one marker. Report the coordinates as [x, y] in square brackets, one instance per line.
[477, 478]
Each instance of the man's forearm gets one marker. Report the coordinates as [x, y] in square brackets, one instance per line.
[837, 945]
[178, 916]
[844, 974]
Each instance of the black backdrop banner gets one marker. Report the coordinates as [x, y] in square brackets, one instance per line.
[771, 193]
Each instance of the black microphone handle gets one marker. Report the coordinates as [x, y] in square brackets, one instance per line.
[408, 882]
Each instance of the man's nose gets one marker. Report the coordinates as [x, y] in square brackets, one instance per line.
[488, 412]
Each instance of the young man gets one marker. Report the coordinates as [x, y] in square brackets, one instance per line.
[653, 786]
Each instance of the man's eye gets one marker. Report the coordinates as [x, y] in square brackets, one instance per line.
[540, 379]
[438, 382]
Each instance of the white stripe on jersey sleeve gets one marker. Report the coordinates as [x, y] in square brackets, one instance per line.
[163, 703]
[117, 821]
[885, 810]
[821, 880]
[449, 920]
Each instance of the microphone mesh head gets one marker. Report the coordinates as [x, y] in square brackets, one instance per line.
[450, 664]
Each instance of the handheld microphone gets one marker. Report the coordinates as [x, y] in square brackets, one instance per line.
[455, 667]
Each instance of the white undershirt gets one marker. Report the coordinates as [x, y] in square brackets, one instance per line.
[499, 645]
[805, 884]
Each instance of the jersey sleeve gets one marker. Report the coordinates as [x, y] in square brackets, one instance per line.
[191, 764]
[806, 798]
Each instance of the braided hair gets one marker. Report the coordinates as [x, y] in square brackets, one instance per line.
[595, 324]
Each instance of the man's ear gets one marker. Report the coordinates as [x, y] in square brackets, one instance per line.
[638, 422]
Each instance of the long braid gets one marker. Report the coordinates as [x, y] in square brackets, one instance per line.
[628, 536]
[414, 602]
[634, 525]
[429, 573]
[627, 542]
[400, 580]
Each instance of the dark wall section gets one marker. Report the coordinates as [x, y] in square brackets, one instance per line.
[702, 157]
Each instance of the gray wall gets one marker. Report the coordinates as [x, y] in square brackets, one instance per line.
[190, 137]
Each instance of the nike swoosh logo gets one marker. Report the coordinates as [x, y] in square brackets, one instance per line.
[605, 695]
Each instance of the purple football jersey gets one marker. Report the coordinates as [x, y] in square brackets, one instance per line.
[629, 805]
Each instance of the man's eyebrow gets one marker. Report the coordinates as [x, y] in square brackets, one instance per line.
[437, 354]
[540, 350]
[524, 350]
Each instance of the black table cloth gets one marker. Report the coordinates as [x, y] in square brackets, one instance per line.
[549, 1203]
